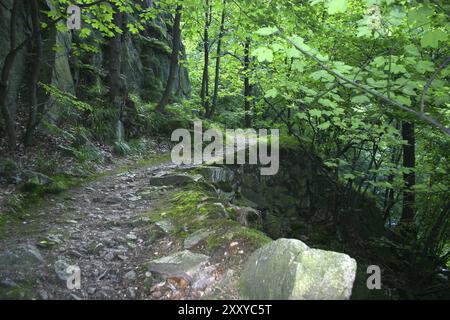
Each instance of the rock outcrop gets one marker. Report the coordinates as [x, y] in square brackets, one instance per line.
[289, 269]
[145, 61]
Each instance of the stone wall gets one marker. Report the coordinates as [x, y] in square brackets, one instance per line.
[304, 200]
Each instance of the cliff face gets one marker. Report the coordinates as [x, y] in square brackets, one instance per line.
[144, 61]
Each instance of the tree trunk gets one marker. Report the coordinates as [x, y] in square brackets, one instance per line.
[409, 161]
[115, 61]
[217, 71]
[204, 92]
[176, 40]
[247, 86]
[34, 74]
[6, 69]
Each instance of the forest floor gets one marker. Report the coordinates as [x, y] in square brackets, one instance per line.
[103, 227]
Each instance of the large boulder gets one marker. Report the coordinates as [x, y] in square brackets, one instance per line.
[289, 269]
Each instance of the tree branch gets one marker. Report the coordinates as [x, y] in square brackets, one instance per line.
[367, 90]
[428, 84]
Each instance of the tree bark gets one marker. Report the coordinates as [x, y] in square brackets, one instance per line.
[409, 178]
[247, 86]
[34, 73]
[204, 92]
[218, 56]
[115, 61]
[176, 40]
[6, 70]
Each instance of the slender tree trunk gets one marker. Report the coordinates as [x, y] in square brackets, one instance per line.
[389, 194]
[218, 56]
[34, 73]
[115, 61]
[176, 40]
[204, 92]
[6, 70]
[116, 85]
[409, 162]
[247, 86]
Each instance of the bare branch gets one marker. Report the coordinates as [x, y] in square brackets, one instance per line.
[430, 81]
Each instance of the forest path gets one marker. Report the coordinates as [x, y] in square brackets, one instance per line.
[98, 227]
[103, 228]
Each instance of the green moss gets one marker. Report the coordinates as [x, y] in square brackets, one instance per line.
[154, 160]
[181, 208]
[156, 44]
[62, 183]
[233, 231]
[25, 291]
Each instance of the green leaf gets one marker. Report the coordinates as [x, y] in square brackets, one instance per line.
[315, 113]
[362, 99]
[301, 115]
[298, 65]
[431, 38]
[403, 100]
[272, 93]
[327, 103]
[324, 126]
[266, 31]
[336, 6]
[348, 176]
[85, 32]
[424, 66]
[263, 54]
[300, 42]
[396, 68]
[412, 50]
[322, 75]
[293, 53]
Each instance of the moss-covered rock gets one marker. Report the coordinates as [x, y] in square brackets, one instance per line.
[289, 269]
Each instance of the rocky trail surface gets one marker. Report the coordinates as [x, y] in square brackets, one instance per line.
[103, 228]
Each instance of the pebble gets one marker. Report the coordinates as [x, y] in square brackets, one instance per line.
[43, 294]
[109, 256]
[132, 236]
[130, 275]
[91, 290]
[132, 293]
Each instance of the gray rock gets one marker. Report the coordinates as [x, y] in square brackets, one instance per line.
[130, 275]
[109, 256]
[131, 293]
[248, 216]
[174, 179]
[181, 264]
[34, 252]
[33, 180]
[60, 267]
[165, 225]
[289, 269]
[131, 236]
[113, 200]
[8, 283]
[196, 237]
[216, 174]
[91, 290]
[23, 257]
[43, 294]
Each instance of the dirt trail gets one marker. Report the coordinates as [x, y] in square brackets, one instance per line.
[99, 227]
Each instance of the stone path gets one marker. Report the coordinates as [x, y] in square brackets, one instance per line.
[100, 228]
